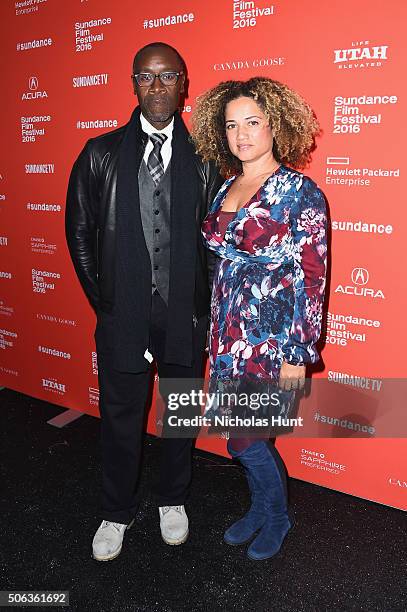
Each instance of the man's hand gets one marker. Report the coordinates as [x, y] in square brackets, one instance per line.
[291, 377]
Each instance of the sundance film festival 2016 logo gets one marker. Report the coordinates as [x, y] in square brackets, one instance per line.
[94, 357]
[7, 338]
[344, 329]
[29, 130]
[88, 34]
[351, 113]
[361, 55]
[34, 91]
[43, 280]
[340, 172]
[246, 13]
[359, 288]
[24, 7]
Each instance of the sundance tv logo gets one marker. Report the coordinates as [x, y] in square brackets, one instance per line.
[360, 279]
[34, 92]
[361, 55]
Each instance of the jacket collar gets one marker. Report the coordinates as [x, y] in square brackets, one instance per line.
[180, 132]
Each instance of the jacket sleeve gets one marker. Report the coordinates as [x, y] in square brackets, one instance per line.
[215, 182]
[81, 222]
[308, 221]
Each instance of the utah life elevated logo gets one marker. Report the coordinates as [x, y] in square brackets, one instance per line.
[360, 279]
[362, 54]
[34, 92]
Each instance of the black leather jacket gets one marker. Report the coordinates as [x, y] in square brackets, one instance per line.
[90, 219]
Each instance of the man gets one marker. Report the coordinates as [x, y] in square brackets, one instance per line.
[136, 200]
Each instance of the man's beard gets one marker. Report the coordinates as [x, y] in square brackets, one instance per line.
[159, 116]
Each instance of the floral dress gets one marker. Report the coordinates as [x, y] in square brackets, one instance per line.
[269, 281]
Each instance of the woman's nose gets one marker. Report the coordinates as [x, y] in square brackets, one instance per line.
[241, 133]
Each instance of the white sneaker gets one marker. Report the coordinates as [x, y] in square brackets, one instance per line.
[173, 524]
[107, 542]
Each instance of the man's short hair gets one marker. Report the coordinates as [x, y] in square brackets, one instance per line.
[163, 45]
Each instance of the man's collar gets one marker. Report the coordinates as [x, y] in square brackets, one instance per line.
[149, 129]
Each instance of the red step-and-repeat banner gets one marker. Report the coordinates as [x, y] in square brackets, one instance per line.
[66, 78]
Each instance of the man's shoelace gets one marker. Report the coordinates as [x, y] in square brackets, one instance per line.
[115, 525]
[168, 508]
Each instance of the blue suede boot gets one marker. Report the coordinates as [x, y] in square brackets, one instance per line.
[265, 466]
[245, 528]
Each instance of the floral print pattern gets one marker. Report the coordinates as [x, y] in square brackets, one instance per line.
[269, 282]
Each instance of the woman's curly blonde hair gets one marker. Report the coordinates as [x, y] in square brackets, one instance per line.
[291, 118]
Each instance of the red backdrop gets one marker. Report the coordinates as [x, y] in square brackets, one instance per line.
[66, 78]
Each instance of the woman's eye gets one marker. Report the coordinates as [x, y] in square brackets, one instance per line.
[253, 122]
[230, 125]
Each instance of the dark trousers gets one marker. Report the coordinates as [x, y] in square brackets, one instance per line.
[122, 403]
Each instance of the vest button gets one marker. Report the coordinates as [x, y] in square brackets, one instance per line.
[157, 231]
[156, 212]
[156, 250]
[157, 193]
[155, 267]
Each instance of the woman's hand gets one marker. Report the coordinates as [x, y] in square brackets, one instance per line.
[291, 376]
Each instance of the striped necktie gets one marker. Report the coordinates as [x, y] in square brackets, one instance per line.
[155, 162]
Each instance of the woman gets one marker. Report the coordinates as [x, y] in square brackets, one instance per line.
[267, 224]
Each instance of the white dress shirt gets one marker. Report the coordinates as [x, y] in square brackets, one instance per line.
[166, 148]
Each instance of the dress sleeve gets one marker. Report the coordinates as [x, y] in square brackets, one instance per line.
[308, 220]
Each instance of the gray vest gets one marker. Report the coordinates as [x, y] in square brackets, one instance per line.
[155, 218]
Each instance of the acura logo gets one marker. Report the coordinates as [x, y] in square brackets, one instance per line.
[360, 276]
[33, 83]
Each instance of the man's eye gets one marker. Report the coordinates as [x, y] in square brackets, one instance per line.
[145, 78]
